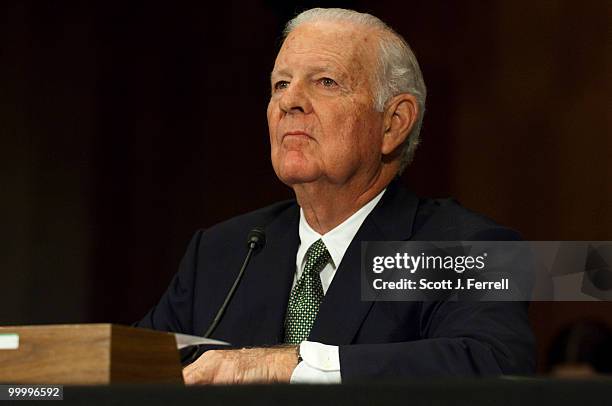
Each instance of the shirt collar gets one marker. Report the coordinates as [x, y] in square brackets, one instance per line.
[336, 240]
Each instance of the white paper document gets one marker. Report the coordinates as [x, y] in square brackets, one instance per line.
[9, 341]
[185, 340]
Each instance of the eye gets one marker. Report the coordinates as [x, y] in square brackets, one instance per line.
[327, 82]
[281, 84]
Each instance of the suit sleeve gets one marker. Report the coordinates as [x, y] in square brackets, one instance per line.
[458, 339]
[462, 339]
[174, 312]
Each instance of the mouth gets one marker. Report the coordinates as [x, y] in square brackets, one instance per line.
[296, 136]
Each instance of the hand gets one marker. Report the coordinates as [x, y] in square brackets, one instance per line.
[247, 365]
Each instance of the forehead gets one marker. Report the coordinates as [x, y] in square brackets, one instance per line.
[333, 44]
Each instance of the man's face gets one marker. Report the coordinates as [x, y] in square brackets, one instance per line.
[321, 117]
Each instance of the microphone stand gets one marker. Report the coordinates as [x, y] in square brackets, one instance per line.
[256, 241]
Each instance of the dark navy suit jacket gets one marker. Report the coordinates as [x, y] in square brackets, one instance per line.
[375, 339]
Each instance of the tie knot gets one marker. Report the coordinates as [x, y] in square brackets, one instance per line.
[317, 257]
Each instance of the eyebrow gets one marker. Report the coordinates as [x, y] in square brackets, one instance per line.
[282, 72]
[312, 71]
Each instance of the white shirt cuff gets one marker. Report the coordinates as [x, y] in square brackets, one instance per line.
[320, 364]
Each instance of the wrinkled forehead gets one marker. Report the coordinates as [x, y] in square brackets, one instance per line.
[347, 44]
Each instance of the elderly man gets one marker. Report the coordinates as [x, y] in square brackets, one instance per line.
[344, 117]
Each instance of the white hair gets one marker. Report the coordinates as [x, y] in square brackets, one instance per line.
[398, 70]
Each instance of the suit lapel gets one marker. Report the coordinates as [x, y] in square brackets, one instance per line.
[270, 277]
[342, 311]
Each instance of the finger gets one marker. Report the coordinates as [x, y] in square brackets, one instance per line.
[191, 375]
[198, 373]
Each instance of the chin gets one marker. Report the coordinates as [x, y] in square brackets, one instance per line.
[292, 172]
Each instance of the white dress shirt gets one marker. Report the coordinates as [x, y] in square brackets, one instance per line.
[321, 362]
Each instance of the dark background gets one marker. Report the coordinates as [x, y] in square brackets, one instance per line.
[126, 126]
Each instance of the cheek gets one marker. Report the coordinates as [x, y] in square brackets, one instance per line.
[348, 132]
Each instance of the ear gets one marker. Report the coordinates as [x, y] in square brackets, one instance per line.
[399, 118]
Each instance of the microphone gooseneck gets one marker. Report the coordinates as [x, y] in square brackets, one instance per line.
[255, 242]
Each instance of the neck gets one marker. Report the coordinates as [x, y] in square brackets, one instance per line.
[326, 205]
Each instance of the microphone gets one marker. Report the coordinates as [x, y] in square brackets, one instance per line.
[256, 241]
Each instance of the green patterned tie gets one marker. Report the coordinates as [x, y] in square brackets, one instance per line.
[307, 295]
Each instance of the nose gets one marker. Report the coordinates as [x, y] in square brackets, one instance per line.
[295, 99]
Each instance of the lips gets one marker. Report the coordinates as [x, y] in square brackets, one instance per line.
[297, 134]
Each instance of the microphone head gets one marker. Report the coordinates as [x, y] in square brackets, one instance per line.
[256, 239]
